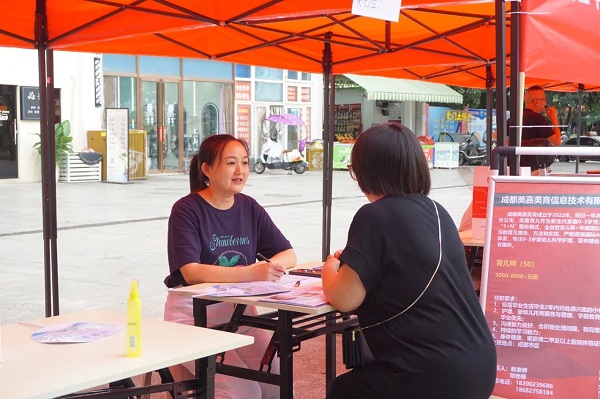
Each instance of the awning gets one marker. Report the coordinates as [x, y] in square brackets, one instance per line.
[389, 89]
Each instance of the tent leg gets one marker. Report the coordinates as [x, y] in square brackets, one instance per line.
[501, 78]
[46, 84]
[489, 105]
[328, 100]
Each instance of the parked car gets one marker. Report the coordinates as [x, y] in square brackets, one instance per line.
[585, 141]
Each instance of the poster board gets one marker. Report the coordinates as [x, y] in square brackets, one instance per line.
[445, 155]
[117, 145]
[540, 285]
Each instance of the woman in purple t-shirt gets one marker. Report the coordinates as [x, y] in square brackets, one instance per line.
[214, 235]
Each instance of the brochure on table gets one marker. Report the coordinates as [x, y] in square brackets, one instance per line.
[251, 288]
[539, 285]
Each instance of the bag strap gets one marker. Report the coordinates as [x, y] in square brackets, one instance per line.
[424, 289]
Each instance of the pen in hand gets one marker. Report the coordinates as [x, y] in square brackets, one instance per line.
[262, 257]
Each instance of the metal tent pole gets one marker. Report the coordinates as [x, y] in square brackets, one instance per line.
[580, 89]
[489, 84]
[515, 82]
[501, 77]
[329, 88]
[46, 86]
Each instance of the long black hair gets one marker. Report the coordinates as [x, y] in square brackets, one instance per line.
[210, 151]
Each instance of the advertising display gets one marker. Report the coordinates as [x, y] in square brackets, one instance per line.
[117, 144]
[540, 285]
[445, 155]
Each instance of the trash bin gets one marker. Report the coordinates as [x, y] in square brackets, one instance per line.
[314, 155]
[137, 151]
[314, 158]
[137, 154]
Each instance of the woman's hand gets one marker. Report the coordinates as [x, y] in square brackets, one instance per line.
[267, 271]
[332, 262]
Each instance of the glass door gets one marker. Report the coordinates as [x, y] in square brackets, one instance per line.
[160, 118]
[8, 133]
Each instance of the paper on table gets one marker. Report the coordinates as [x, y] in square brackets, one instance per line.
[310, 295]
[75, 333]
[242, 289]
[296, 281]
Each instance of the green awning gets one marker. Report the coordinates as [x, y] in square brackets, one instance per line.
[389, 89]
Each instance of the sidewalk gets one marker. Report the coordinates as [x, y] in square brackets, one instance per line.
[110, 234]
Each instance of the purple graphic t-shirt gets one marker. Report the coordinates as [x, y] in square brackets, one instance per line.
[201, 233]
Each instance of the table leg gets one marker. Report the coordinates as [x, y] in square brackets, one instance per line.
[330, 354]
[205, 368]
[284, 327]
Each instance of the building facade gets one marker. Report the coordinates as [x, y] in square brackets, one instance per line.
[176, 102]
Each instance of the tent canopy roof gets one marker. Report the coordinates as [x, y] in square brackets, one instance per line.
[389, 89]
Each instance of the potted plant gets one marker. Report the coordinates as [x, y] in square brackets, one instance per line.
[63, 140]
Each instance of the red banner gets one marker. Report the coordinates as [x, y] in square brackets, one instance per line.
[560, 40]
[243, 122]
[541, 296]
[305, 94]
[243, 91]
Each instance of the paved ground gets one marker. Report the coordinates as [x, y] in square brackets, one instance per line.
[110, 234]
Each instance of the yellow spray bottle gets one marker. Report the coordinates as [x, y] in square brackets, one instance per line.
[134, 322]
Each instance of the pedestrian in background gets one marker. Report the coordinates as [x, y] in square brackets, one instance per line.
[540, 128]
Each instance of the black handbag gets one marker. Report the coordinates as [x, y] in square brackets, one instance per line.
[355, 350]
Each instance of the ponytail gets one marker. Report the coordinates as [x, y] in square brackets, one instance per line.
[198, 181]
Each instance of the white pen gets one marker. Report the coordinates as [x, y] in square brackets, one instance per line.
[32, 324]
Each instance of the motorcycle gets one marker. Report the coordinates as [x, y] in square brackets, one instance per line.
[472, 151]
[272, 157]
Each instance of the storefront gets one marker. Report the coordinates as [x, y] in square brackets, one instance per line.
[364, 101]
[260, 92]
[177, 102]
[212, 102]
[20, 107]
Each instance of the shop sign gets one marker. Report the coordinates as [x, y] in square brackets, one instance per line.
[243, 122]
[305, 94]
[30, 103]
[243, 91]
[292, 93]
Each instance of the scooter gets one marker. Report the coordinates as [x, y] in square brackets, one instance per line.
[472, 151]
[272, 157]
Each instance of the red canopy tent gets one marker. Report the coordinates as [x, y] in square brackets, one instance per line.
[450, 41]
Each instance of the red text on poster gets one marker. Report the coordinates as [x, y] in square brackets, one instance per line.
[243, 122]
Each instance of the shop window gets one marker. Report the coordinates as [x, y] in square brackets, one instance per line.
[243, 71]
[206, 69]
[210, 120]
[268, 73]
[270, 92]
[292, 75]
[121, 92]
[165, 66]
[306, 76]
[116, 64]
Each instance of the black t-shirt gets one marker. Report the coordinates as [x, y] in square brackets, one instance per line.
[393, 246]
[536, 128]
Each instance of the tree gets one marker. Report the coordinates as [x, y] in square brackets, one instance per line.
[567, 105]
